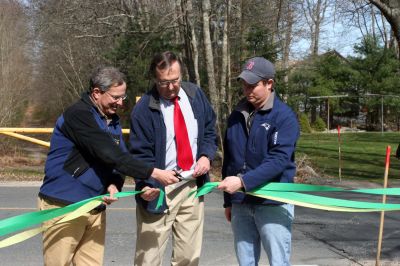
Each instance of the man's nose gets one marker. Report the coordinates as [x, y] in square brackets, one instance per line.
[120, 101]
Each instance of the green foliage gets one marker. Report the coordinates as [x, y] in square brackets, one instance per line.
[326, 75]
[374, 70]
[319, 124]
[377, 72]
[377, 67]
[304, 123]
[132, 54]
[259, 42]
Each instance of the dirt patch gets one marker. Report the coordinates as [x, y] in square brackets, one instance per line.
[16, 168]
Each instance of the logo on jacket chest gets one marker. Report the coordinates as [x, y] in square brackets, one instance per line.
[116, 138]
[266, 126]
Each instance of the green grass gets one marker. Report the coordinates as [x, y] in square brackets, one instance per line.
[363, 154]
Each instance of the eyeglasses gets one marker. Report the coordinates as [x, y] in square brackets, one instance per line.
[117, 98]
[165, 83]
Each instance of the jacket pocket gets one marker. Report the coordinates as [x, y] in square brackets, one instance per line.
[90, 179]
[75, 164]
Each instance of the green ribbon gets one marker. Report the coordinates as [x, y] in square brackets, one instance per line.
[19, 222]
[284, 192]
[289, 192]
[205, 189]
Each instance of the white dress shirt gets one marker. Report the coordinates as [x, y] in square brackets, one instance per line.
[167, 109]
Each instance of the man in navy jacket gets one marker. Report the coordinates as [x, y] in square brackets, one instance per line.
[259, 148]
[153, 139]
[87, 157]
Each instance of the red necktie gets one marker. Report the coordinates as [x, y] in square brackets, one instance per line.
[183, 149]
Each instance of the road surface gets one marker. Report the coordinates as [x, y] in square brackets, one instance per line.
[319, 237]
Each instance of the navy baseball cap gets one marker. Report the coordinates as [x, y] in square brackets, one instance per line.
[256, 69]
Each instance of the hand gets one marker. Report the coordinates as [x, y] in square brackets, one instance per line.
[202, 166]
[165, 177]
[230, 184]
[228, 214]
[112, 189]
[149, 193]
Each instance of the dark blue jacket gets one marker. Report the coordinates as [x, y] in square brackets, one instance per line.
[86, 155]
[148, 135]
[262, 154]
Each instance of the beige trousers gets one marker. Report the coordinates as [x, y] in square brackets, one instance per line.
[79, 241]
[185, 218]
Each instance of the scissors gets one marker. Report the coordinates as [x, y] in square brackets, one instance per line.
[177, 174]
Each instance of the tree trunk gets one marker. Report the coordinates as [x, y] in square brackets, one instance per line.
[146, 15]
[193, 41]
[229, 90]
[373, 23]
[188, 39]
[391, 10]
[15, 72]
[224, 61]
[242, 30]
[313, 114]
[182, 38]
[178, 21]
[315, 15]
[287, 43]
[209, 58]
[386, 34]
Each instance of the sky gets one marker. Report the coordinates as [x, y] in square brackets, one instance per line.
[336, 34]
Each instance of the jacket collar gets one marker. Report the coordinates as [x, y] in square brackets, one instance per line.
[154, 102]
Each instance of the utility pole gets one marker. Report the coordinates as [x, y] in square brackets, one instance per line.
[382, 95]
[382, 114]
[327, 97]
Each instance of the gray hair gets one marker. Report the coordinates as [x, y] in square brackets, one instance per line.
[106, 77]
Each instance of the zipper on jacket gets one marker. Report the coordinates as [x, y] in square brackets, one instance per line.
[76, 170]
[243, 170]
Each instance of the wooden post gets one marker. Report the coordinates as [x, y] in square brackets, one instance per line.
[385, 182]
[340, 156]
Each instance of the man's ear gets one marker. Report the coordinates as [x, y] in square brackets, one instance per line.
[96, 93]
[270, 84]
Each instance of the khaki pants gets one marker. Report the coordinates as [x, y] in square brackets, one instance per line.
[79, 241]
[185, 218]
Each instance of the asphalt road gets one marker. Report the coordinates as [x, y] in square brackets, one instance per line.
[319, 237]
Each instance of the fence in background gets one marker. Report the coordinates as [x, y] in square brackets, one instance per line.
[16, 133]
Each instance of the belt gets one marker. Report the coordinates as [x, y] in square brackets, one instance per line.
[98, 209]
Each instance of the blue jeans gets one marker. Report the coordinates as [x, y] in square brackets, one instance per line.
[270, 225]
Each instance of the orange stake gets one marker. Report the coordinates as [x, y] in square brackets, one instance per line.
[385, 182]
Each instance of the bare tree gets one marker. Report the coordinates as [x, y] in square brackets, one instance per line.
[391, 10]
[209, 58]
[369, 15]
[314, 13]
[189, 38]
[15, 70]
[225, 61]
[65, 60]
[287, 29]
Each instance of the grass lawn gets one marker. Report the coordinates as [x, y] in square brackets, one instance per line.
[363, 154]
